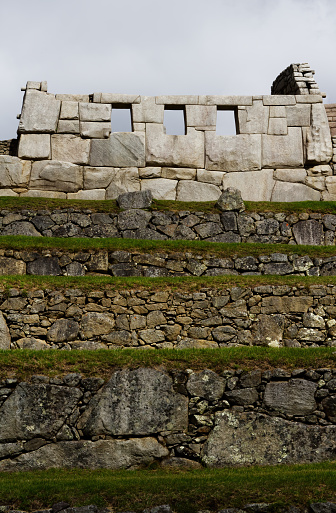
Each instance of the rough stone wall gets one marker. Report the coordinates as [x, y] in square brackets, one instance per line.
[176, 418]
[296, 79]
[221, 316]
[66, 148]
[8, 147]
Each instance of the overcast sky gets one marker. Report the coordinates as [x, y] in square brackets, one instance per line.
[160, 46]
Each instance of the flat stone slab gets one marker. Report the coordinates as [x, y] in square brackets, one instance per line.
[57, 176]
[295, 397]
[308, 232]
[130, 200]
[119, 150]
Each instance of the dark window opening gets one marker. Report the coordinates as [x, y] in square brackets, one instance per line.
[121, 118]
[227, 122]
[174, 120]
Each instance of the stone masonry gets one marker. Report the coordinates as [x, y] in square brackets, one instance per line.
[282, 143]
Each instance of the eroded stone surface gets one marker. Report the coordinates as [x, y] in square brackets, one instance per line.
[120, 150]
[295, 397]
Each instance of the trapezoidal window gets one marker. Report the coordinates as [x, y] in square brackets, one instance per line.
[174, 120]
[227, 121]
[121, 118]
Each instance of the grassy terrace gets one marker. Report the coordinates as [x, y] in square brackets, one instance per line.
[10, 203]
[186, 492]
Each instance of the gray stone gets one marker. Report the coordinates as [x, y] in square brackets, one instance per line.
[94, 130]
[109, 454]
[70, 148]
[98, 177]
[206, 384]
[36, 410]
[68, 126]
[94, 112]
[242, 397]
[290, 175]
[34, 146]
[284, 191]
[246, 183]
[21, 228]
[14, 172]
[201, 115]
[232, 153]
[5, 338]
[56, 176]
[188, 190]
[253, 119]
[298, 115]
[44, 266]
[94, 324]
[122, 149]
[32, 343]
[268, 331]
[283, 151]
[133, 219]
[295, 397]
[231, 199]
[11, 266]
[40, 112]
[131, 200]
[277, 126]
[329, 407]
[256, 439]
[63, 330]
[140, 401]
[69, 110]
[214, 177]
[318, 138]
[161, 188]
[308, 232]
[123, 180]
[148, 111]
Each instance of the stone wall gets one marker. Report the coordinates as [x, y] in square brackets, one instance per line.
[177, 418]
[8, 147]
[66, 148]
[215, 316]
[296, 79]
[262, 227]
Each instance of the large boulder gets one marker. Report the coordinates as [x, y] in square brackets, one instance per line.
[139, 199]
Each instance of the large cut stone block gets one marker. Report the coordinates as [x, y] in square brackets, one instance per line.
[140, 402]
[40, 112]
[70, 148]
[318, 138]
[34, 146]
[147, 111]
[298, 115]
[254, 119]
[69, 110]
[53, 175]
[201, 115]
[14, 172]
[36, 410]
[283, 150]
[174, 150]
[99, 177]
[293, 397]
[246, 183]
[162, 188]
[95, 130]
[285, 191]
[291, 175]
[256, 439]
[110, 454]
[230, 101]
[279, 99]
[232, 153]
[122, 149]
[94, 112]
[188, 190]
[123, 180]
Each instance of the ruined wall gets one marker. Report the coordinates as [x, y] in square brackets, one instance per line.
[179, 418]
[66, 148]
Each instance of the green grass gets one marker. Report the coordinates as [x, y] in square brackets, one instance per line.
[186, 492]
[22, 364]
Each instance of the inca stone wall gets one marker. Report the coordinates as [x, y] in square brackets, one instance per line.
[177, 418]
[217, 316]
[66, 148]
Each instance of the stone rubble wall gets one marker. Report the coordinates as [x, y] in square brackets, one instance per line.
[296, 79]
[216, 316]
[8, 147]
[178, 418]
[331, 114]
[66, 148]
[228, 227]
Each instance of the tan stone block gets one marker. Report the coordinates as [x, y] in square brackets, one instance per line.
[14, 172]
[98, 177]
[162, 188]
[283, 151]
[316, 182]
[323, 170]
[290, 175]
[151, 172]
[178, 173]
[233, 101]
[94, 112]
[40, 112]
[69, 110]
[214, 177]
[201, 115]
[34, 146]
[254, 119]
[8, 192]
[277, 111]
[279, 99]
[176, 100]
[147, 111]
[35, 193]
[92, 194]
[277, 126]
[309, 98]
[120, 98]
[123, 180]
[139, 127]
[298, 115]
[70, 148]
[232, 153]
[197, 191]
[318, 138]
[95, 130]
[56, 176]
[121, 149]
[246, 183]
[284, 191]
[68, 126]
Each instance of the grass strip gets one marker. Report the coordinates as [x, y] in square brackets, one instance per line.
[220, 249]
[186, 492]
[10, 203]
[22, 364]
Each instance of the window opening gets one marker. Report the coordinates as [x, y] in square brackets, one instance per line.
[174, 120]
[226, 122]
[121, 118]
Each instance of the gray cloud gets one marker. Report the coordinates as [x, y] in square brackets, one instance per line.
[155, 46]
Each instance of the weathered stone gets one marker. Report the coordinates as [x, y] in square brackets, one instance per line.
[268, 331]
[290, 175]
[197, 191]
[282, 151]
[94, 130]
[175, 463]
[277, 99]
[122, 149]
[231, 199]
[56, 176]
[285, 304]
[151, 172]
[12, 266]
[144, 404]
[44, 266]
[34, 146]
[206, 384]
[109, 454]
[40, 112]
[232, 101]
[298, 115]
[174, 150]
[32, 343]
[294, 397]
[178, 173]
[14, 172]
[161, 188]
[255, 439]
[5, 338]
[21, 228]
[70, 148]
[329, 406]
[284, 191]
[318, 139]
[246, 182]
[201, 115]
[40, 410]
[148, 111]
[253, 119]
[68, 126]
[92, 194]
[277, 126]
[123, 180]
[120, 98]
[69, 110]
[242, 397]
[308, 232]
[94, 324]
[214, 177]
[224, 333]
[232, 153]
[133, 219]
[63, 330]
[94, 112]
[131, 200]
